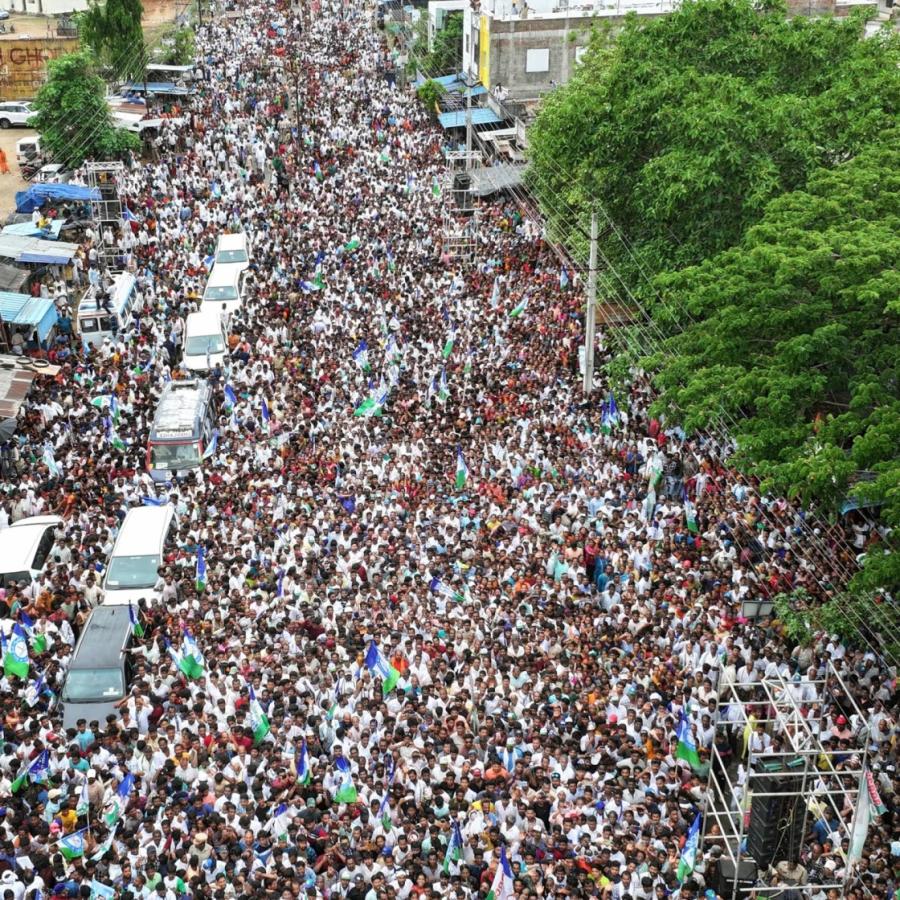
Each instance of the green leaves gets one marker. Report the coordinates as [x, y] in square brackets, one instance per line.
[113, 31]
[72, 115]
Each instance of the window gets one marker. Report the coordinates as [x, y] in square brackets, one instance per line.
[44, 548]
[173, 456]
[231, 256]
[199, 344]
[537, 60]
[127, 572]
[93, 684]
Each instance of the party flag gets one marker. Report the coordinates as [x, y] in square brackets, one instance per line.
[346, 792]
[193, 662]
[38, 641]
[462, 470]
[438, 587]
[519, 308]
[264, 409]
[443, 390]
[379, 665]
[50, 462]
[495, 293]
[259, 722]
[502, 885]
[454, 849]
[435, 187]
[352, 245]
[230, 398]
[304, 773]
[361, 356]
[200, 577]
[689, 853]
[119, 800]
[448, 343]
[72, 845]
[15, 659]
[136, 628]
[690, 514]
[213, 445]
[563, 278]
[686, 748]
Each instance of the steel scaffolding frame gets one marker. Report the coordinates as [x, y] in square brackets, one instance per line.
[798, 723]
[106, 207]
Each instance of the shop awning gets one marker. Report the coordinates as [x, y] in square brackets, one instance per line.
[12, 278]
[490, 179]
[34, 250]
[457, 118]
[32, 312]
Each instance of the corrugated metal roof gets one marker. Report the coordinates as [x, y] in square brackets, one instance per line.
[14, 384]
[457, 117]
[23, 309]
[13, 246]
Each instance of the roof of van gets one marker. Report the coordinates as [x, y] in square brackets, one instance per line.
[179, 409]
[142, 524]
[224, 273]
[201, 321]
[231, 241]
[101, 642]
[122, 288]
[20, 540]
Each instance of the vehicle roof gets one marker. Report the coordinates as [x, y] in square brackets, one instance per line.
[20, 540]
[101, 641]
[123, 287]
[179, 410]
[224, 273]
[201, 322]
[231, 241]
[142, 524]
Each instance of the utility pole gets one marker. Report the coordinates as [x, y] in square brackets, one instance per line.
[470, 84]
[200, 13]
[591, 318]
[295, 74]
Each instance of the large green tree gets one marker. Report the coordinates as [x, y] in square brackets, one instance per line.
[685, 127]
[72, 115]
[112, 29]
[792, 340]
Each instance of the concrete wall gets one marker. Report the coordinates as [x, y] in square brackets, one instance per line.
[23, 64]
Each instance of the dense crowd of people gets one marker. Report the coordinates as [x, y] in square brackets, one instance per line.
[555, 588]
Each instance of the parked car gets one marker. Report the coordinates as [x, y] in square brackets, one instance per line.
[53, 173]
[4, 14]
[15, 112]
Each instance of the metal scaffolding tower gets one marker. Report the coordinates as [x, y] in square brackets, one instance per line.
[105, 179]
[761, 804]
[460, 214]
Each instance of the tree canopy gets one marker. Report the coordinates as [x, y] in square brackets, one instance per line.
[113, 31]
[745, 166]
[689, 124]
[792, 338]
[72, 115]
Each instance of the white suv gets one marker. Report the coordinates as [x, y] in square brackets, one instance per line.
[15, 113]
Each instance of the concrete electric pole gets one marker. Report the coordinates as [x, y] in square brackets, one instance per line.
[591, 317]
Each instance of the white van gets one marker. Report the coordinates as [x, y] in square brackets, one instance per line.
[205, 341]
[25, 548]
[233, 250]
[133, 569]
[224, 290]
[96, 321]
[28, 148]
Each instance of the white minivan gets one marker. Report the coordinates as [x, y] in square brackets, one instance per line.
[224, 290]
[205, 341]
[233, 250]
[25, 548]
[133, 570]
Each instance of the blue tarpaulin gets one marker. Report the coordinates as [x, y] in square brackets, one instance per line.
[38, 194]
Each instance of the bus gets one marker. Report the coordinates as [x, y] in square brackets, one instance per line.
[182, 430]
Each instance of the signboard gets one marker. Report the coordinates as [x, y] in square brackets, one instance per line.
[23, 64]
